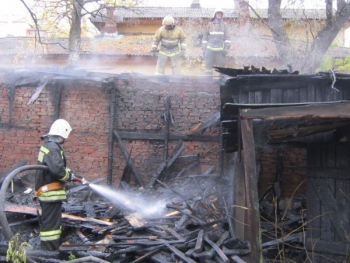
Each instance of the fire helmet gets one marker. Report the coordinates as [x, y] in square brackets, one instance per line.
[61, 128]
[218, 10]
[168, 21]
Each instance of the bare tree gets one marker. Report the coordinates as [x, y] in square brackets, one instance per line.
[335, 20]
[72, 11]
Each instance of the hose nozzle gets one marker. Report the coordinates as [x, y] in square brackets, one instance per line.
[84, 181]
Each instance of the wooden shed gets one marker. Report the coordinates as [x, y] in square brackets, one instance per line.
[285, 109]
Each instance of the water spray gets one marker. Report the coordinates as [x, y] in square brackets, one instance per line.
[146, 207]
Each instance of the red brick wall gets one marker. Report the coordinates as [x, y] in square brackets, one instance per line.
[141, 103]
[294, 170]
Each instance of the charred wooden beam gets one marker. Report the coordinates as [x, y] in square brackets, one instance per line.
[199, 243]
[216, 247]
[338, 110]
[160, 136]
[167, 163]
[200, 127]
[56, 94]
[167, 127]
[179, 253]
[146, 256]
[237, 259]
[125, 154]
[251, 188]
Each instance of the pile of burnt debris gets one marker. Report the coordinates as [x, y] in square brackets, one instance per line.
[181, 218]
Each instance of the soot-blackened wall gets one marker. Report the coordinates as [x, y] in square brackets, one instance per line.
[140, 106]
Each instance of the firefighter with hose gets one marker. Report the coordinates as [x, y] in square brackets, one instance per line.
[50, 184]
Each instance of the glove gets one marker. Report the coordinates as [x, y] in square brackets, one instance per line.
[154, 52]
[74, 177]
[183, 54]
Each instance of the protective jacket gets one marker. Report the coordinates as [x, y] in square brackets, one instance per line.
[49, 185]
[171, 41]
[216, 37]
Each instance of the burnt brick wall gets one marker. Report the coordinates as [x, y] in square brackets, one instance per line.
[293, 167]
[140, 105]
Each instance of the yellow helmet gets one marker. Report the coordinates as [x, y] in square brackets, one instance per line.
[168, 21]
[218, 10]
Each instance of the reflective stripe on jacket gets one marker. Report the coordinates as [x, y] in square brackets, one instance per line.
[52, 155]
[216, 37]
[170, 42]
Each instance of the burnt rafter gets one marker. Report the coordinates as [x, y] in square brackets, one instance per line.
[337, 109]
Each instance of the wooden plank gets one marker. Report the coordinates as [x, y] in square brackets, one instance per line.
[135, 220]
[199, 242]
[200, 127]
[160, 136]
[167, 127]
[179, 253]
[311, 92]
[337, 248]
[320, 110]
[334, 173]
[216, 247]
[276, 96]
[331, 208]
[167, 163]
[342, 189]
[258, 97]
[239, 198]
[32, 211]
[251, 184]
[303, 94]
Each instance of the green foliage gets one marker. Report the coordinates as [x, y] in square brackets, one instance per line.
[71, 256]
[337, 64]
[15, 251]
[326, 64]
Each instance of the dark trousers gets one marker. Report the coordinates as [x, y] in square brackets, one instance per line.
[214, 58]
[50, 230]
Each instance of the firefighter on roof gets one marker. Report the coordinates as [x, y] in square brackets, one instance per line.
[171, 41]
[50, 184]
[216, 42]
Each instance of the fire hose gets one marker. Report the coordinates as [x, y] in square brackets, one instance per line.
[3, 219]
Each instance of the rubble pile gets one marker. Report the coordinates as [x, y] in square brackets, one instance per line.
[195, 225]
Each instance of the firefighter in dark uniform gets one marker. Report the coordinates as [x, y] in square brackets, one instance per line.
[216, 42]
[172, 41]
[50, 184]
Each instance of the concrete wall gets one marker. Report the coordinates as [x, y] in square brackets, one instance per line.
[140, 105]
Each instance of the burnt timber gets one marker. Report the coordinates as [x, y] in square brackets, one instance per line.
[292, 110]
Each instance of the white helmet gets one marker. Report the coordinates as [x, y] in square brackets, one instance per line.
[61, 128]
[168, 21]
[218, 10]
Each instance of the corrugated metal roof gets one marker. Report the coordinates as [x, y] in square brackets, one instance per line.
[187, 12]
[140, 45]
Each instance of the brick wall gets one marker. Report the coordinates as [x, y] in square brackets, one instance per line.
[293, 170]
[140, 105]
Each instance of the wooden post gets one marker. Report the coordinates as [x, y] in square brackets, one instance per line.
[239, 197]
[167, 127]
[112, 102]
[251, 188]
